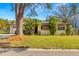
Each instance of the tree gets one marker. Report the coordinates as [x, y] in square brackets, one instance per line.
[74, 7]
[37, 23]
[74, 11]
[52, 24]
[69, 30]
[31, 25]
[19, 11]
[4, 24]
[28, 26]
[66, 12]
[13, 21]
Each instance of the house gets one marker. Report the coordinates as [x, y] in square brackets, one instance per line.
[75, 23]
[61, 27]
[12, 28]
[44, 28]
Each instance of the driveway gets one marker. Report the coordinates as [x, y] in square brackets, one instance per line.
[5, 35]
[38, 52]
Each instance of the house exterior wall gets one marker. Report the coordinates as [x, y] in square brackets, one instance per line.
[60, 32]
[41, 30]
[12, 30]
[46, 31]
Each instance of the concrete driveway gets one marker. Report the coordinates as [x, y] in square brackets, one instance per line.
[5, 35]
[38, 52]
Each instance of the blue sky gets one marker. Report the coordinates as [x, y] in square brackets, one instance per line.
[6, 13]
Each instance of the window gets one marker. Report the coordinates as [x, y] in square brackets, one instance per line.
[61, 27]
[45, 26]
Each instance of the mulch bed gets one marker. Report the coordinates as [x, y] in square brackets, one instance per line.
[4, 44]
[8, 45]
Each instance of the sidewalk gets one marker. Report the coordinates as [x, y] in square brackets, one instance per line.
[40, 52]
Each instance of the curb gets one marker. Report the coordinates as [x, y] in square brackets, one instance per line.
[34, 49]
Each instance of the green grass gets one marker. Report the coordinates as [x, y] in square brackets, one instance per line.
[49, 42]
[3, 32]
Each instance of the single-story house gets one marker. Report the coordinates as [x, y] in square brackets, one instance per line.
[61, 27]
[44, 28]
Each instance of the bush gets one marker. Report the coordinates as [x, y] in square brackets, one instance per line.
[52, 24]
[69, 30]
[63, 33]
[28, 27]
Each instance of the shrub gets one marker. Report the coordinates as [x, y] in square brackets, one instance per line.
[69, 30]
[52, 24]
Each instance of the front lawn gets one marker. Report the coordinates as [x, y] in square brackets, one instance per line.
[45, 42]
[3, 32]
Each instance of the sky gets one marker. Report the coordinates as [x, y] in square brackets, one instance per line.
[6, 13]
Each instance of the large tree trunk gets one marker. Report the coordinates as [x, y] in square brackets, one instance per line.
[19, 26]
[19, 9]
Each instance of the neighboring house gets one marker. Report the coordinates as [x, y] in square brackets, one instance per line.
[12, 28]
[75, 23]
[44, 28]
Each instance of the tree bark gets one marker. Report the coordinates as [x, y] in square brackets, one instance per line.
[19, 10]
[19, 26]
